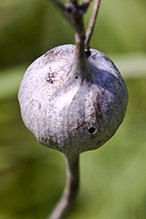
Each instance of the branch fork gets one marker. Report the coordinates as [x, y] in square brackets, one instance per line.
[74, 13]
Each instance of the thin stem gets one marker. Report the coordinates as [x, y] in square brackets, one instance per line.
[91, 24]
[69, 195]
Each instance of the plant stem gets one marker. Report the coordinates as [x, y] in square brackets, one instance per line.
[69, 195]
[91, 24]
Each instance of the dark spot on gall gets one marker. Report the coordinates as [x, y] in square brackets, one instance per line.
[40, 105]
[88, 53]
[50, 78]
[91, 130]
[94, 56]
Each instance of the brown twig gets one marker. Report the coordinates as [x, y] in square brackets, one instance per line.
[91, 24]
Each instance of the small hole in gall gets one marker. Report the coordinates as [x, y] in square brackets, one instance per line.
[91, 130]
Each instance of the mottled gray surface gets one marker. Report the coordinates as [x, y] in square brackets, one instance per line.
[64, 110]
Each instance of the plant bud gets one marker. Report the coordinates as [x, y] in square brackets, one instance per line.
[72, 109]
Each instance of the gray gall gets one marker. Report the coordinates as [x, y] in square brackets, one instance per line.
[69, 106]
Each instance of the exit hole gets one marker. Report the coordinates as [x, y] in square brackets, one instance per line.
[91, 130]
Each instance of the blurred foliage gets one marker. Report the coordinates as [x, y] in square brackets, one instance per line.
[32, 177]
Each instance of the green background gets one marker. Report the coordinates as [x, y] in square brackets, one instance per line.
[32, 177]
